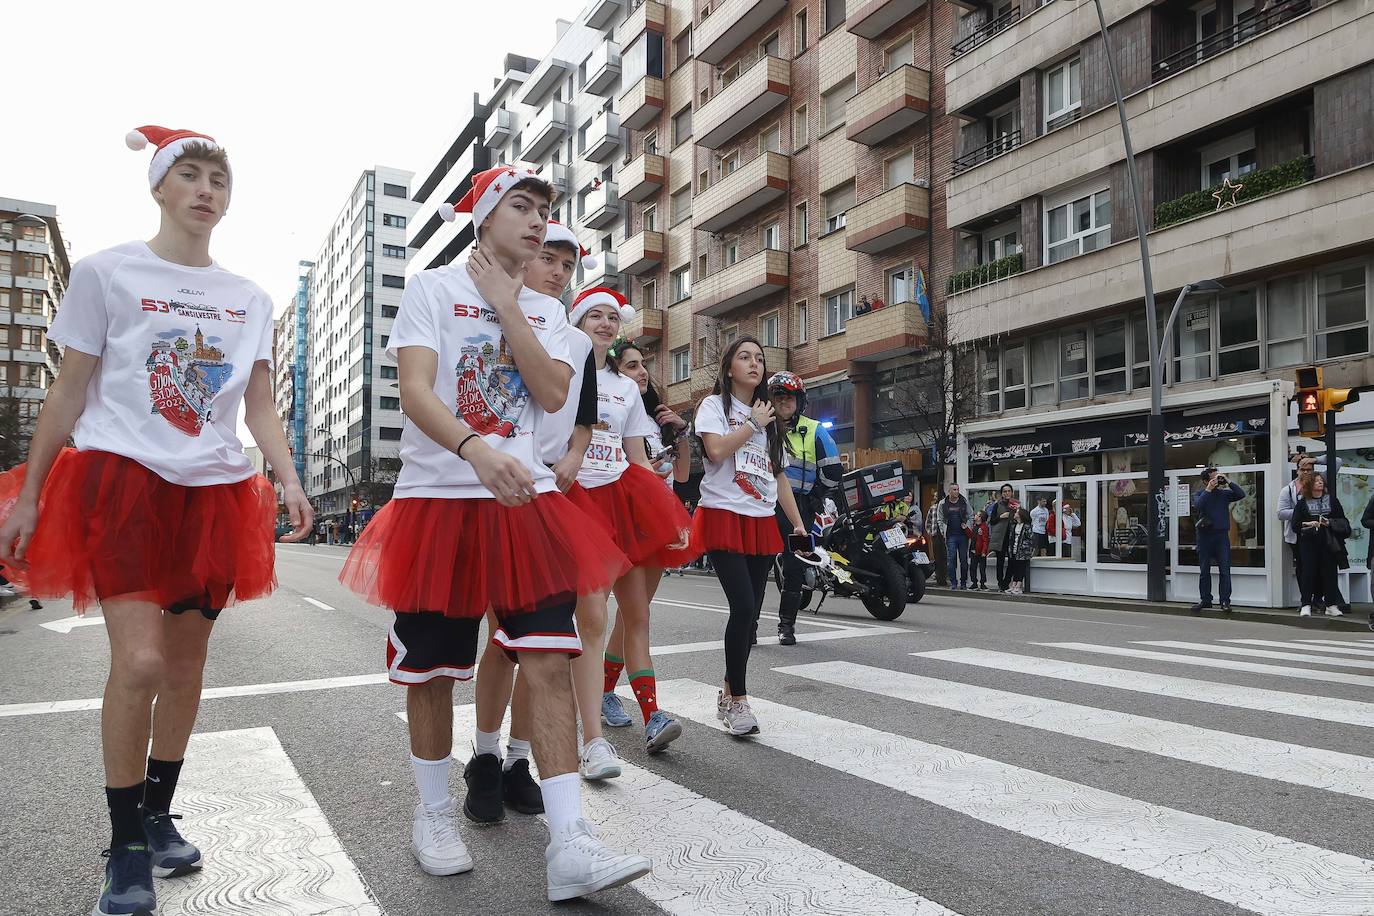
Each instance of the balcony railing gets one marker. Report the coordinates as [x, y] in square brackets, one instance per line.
[1256, 184]
[745, 281]
[985, 273]
[984, 32]
[1228, 38]
[1003, 143]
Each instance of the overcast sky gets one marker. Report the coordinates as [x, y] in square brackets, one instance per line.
[303, 95]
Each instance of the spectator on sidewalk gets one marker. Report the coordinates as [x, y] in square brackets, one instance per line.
[1040, 519]
[980, 537]
[999, 515]
[1069, 522]
[953, 514]
[1212, 527]
[1322, 528]
[1022, 546]
[936, 539]
[1307, 465]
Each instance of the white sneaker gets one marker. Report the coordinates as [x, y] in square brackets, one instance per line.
[7, 591]
[1306, 611]
[580, 864]
[1333, 611]
[599, 761]
[435, 841]
[740, 720]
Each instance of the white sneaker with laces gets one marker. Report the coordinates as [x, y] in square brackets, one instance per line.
[1306, 611]
[740, 720]
[580, 864]
[1333, 611]
[599, 760]
[435, 841]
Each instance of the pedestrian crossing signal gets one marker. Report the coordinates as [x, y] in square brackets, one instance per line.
[1311, 413]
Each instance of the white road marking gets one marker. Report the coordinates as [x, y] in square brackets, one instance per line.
[67, 624]
[1239, 865]
[1260, 653]
[1327, 709]
[801, 618]
[319, 604]
[709, 859]
[1099, 623]
[1306, 674]
[1348, 774]
[267, 844]
[1366, 643]
[1331, 650]
[719, 646]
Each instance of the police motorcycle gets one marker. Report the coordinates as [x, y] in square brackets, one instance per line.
[862, 550]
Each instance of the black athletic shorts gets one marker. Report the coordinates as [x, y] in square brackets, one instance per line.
[422, 646]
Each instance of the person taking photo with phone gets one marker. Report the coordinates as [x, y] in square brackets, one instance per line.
[1212, 527]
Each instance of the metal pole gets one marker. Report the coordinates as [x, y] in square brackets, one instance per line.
[1156, 509]
[352, 483]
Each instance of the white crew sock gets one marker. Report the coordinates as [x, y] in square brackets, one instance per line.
[431, 778]
[488, 743]
[562, 801]
[516, 749]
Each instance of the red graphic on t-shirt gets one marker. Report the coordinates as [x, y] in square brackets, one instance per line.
[746, 483]
[183, 379]
[490, 392]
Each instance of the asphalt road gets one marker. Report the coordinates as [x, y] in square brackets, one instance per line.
[984, 758]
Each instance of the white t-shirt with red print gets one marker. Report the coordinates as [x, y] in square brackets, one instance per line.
[619, 416]
[557, 429]
[477, 379]
[176, 345]
[744, 483]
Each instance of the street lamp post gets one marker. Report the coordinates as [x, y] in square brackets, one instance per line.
[352, 482]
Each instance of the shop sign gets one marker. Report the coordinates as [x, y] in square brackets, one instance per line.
[1114, 433]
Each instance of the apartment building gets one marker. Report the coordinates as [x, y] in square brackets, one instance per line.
[290, 335]
[34, 269]
[1250, 123]
[352, 429]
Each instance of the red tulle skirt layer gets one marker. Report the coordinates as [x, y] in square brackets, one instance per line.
[638, 512]
[460, 556]
[721, 529]
[110, 528]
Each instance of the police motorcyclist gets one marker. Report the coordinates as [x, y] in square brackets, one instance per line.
[813, 468]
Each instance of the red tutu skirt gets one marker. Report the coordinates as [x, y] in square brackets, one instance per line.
[721, 529]
[110, 528]
[638, 512]
[461, 556]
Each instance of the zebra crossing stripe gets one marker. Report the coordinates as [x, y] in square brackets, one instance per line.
[1333, 771]
[1329, 709]
[1306, 674]
[1357, 643]
[1239, 865]
[710, 860]
[1332, 650]
[1260, 653]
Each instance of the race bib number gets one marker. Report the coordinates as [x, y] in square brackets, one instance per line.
[605, 452]
[753, 460]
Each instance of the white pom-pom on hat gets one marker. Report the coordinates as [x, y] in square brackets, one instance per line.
[135, 140]
[589, 262]
[447, 213]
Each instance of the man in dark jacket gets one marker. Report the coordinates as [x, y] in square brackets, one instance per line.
[954, 514]
[1212, 527]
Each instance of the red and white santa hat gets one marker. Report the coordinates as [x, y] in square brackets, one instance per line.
[557, 232]
[599, 295]
[170, 144]
[486, 192]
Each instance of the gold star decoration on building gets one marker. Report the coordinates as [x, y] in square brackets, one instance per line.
[1227, 188]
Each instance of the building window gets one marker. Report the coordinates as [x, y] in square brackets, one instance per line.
[1063, 93]
[393, 190]
[1073, 364]
[389, 403]
[730, 74]
[393, 282]
[393, 221]
[771, 46]
[729, 162]
[1231, 158]
[839, 308]
[649, 218]
[898, 55]
[649, 294]
[651, 143]
[1044, 368]
[835, 101]
[999, 242]
[731, 252]
[837, 204]
[801, 234]
[1014, 377]
[770, 237]
[394, 251]
[682, 364]
[1342, 314]
[682, 126]
[768, 330]
[1077, 225]
[388, 372]
[900, 169]
[682, 48]
[389, 311]
[31, 233]
[989, 380]
[1238, 334]
[682, 205]
[770, 140]
[1140, 351]
[1193, 341]
[32, 301]
[681, 283]
[799, 32]
[1285, 320]
[390, 434]
[30, 338]
[834, 11]
[801, 128]
[1109, 356]
[803, 331]
[901, 285]
[728, 335]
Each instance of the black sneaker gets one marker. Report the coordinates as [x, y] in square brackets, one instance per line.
[787, 636]
[754, 635]
[172, 855]
[520, 791]
[128, 888]
[1200, 607]
[483, 803]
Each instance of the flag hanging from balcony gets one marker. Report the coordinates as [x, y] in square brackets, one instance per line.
[922, 299]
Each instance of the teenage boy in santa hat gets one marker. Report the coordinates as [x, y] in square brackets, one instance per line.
[495, 784]
[477, 522]
[156, 515]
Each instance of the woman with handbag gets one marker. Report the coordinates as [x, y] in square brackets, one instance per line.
[1321, 526]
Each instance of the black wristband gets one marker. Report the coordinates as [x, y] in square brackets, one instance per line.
[466, 439]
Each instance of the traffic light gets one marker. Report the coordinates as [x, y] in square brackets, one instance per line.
[355, 504]
[1337, 398]
[1311, 412]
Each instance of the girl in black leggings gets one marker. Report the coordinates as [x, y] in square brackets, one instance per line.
[744, 480]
